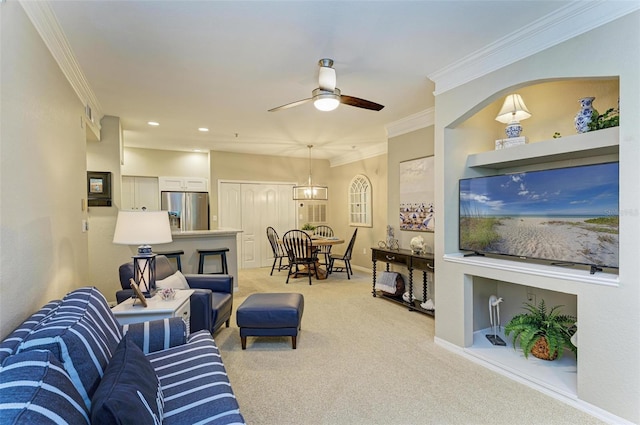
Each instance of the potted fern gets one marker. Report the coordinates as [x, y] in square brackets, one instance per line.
[544, 334]
[308, 228]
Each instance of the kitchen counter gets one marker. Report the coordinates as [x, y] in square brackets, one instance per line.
[191, 241]
[204, 233]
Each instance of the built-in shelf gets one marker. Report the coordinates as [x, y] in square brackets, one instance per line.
[559, 376]
[542, 270]
[593, 143]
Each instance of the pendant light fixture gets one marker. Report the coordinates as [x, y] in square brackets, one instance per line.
[310, 192]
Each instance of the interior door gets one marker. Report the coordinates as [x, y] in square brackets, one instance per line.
[230, 212]
[252, 207]
[251, 210]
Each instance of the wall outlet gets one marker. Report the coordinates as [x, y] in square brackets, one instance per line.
[85, 225]
[364, 250]
[531, 298]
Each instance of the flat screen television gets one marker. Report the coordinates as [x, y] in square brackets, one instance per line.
[565, 215]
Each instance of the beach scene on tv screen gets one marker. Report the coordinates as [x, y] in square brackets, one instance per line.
[561, 215]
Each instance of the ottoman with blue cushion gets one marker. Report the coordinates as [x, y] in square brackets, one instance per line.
[270, 314]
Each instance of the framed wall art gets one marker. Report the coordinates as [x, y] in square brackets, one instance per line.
[99, 188]
[417, 195]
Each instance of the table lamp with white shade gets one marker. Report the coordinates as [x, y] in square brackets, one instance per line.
[143, 228]
[513, 111]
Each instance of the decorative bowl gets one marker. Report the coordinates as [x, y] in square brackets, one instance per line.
[167, 294]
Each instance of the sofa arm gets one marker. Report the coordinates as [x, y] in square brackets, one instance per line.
[157, 335]
[201, 318]
[215, 282]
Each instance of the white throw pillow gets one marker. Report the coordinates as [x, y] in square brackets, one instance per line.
[175, 281]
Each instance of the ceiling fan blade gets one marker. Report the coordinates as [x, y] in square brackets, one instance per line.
[290, 105]
[360, 103]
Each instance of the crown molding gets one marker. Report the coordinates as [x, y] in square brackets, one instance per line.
[45, 22]
[411, 123]
[563, 24]
[359, 155]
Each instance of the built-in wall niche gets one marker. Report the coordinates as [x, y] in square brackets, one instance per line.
[558, 375]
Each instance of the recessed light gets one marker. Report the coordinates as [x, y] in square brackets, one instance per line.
[153, 123]
[203, 129]
[197, 150]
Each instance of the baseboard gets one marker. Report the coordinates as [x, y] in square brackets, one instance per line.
[581, 405]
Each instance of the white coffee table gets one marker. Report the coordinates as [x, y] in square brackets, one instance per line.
[127, 312]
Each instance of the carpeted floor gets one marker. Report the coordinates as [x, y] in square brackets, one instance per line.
[364, 360]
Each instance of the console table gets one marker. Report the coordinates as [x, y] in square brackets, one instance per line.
[405, 257]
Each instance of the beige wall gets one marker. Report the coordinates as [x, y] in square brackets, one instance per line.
[413, 145]
[104, 256]
[42, 175]
[155, 163]
[338, 216]
[608, 366]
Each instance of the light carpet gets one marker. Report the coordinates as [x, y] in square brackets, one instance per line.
[365, 360]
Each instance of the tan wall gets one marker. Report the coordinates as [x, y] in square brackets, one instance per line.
[338, 217]
[104, 256]
[608, 367]
[413, 145]
[154, 163]
[42, 175]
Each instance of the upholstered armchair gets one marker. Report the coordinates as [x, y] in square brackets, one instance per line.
[211, 302]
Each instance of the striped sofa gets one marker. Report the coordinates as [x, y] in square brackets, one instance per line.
[72, 363]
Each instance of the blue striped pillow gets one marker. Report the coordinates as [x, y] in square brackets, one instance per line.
[158, 334]
[82, 334]
[195, 385]
[35, 389]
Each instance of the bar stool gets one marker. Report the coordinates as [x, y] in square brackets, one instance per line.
[222, 252]
[173, 254]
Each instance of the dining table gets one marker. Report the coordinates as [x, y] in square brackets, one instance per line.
[318, 241]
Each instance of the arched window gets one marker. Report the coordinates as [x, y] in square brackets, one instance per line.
[360, 201]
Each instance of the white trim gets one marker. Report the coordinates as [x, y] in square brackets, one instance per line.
[45, 22]
[359, 155]
[411, 123]
[583, 406]
[563, 24]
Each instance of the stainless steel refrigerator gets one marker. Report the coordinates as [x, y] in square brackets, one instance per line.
[187, 210]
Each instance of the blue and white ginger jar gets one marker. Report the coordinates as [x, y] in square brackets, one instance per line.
[583, 117]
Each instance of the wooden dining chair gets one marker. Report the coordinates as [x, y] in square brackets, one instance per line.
[300, 251]
[325, 250]
[345, 258]
[278, 250]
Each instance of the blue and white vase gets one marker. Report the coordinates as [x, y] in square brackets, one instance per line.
[583, 117]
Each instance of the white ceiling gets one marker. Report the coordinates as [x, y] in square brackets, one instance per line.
[223, 64]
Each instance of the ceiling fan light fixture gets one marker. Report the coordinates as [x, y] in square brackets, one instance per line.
[326, 102]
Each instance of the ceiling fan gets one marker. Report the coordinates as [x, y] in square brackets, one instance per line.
[327, 96]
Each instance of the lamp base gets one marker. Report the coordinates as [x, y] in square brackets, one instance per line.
[513, 129]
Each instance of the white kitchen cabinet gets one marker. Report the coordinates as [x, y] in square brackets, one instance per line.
[140, 192]
[183, 184]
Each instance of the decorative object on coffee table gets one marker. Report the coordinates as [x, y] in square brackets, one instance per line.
[544, 334]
